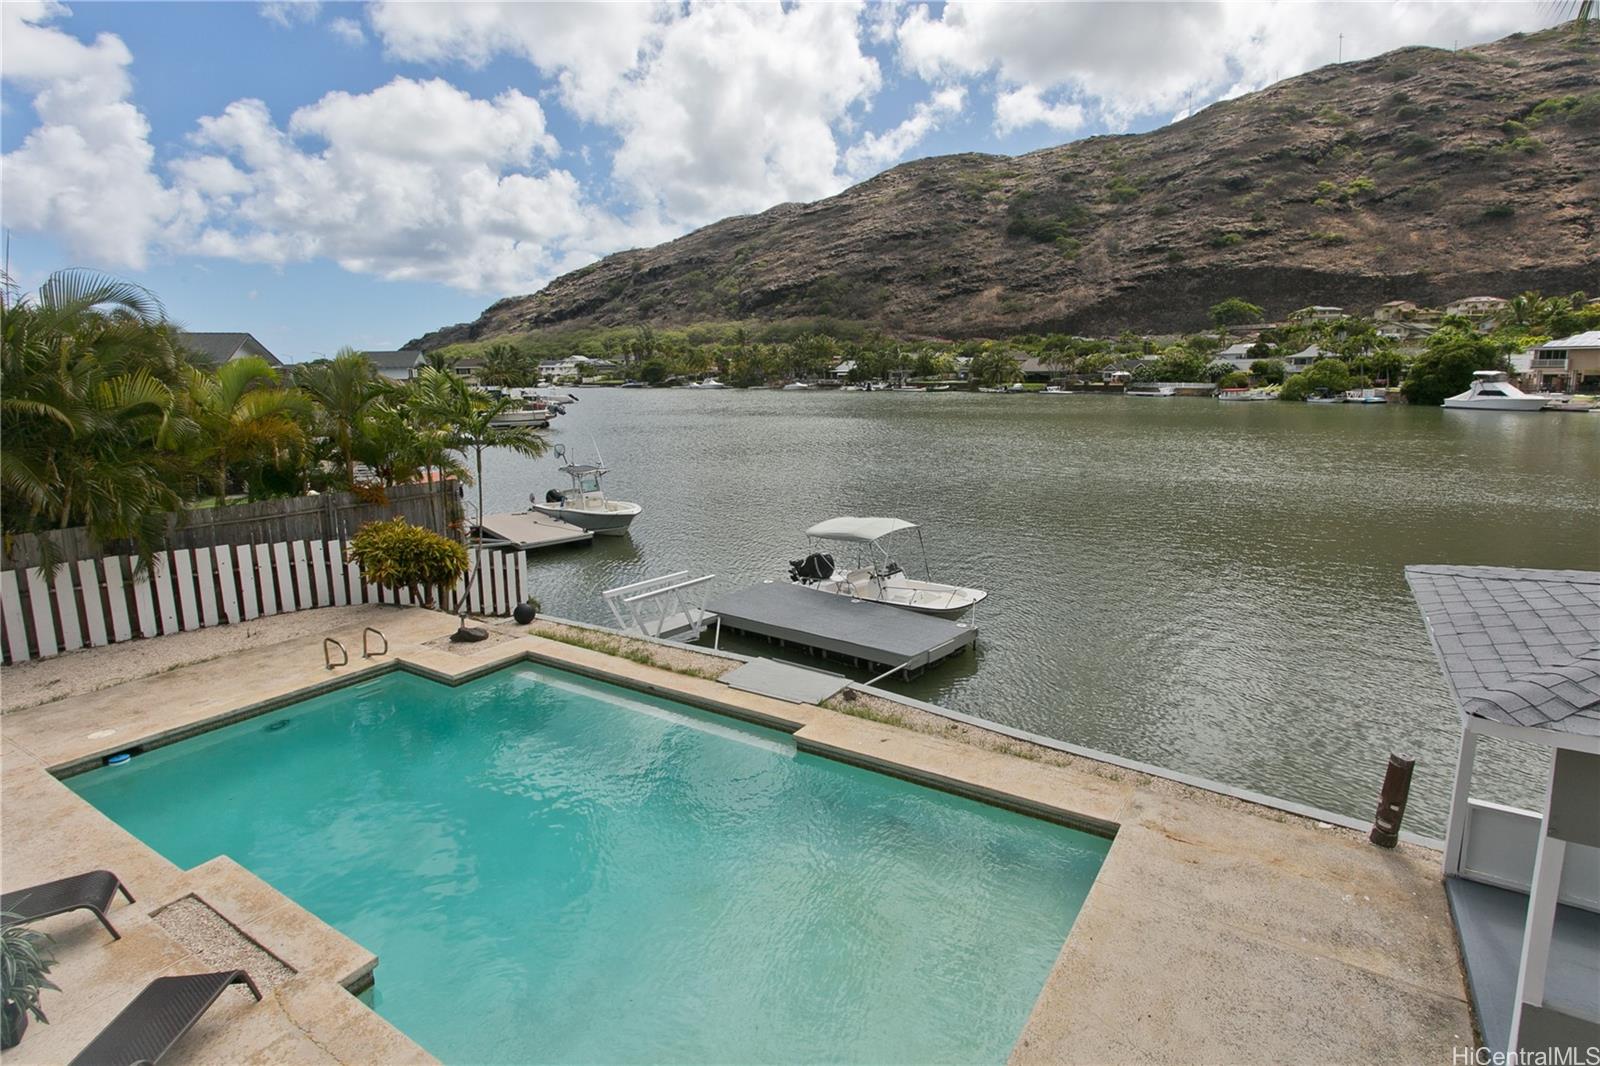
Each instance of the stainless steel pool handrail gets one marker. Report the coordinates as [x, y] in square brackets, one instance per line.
[366, 653]
[328, 659]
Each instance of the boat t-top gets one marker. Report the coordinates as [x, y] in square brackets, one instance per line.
[1492, 391]
[585, 504]
[876, 577]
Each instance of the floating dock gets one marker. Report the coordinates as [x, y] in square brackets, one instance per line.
[852, 630]
[530, 530]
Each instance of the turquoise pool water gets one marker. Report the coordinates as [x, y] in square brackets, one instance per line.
[557, 870]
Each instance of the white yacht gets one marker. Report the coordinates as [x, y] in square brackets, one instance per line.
[1492, 391]
[795, 386]
[585, 505]
[876, 577]
[708, 383]
[531, 414]
[1150, 389]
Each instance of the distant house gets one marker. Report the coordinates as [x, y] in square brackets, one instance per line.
[1297, 362]
[1316, 313]
[1395, 311]
[1405, 332]
[575, 366]
[1032, 368]
[1122, 370]
[396, 366]
[1570, 364]
[1475, 307]
[1237, 356]
[844, 369]
[214, 349]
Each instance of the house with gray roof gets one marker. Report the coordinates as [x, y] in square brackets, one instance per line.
[396, 366]
[1520, 653]
[214, 349]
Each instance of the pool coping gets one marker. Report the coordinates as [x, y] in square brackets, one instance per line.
[1139, 815]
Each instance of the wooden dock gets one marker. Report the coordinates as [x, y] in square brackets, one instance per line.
[852, 630]
[530, 530]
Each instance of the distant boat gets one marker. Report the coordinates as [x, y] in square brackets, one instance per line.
[708, 383]
[1148, 390]
[1325, 396]
[1054, 390]
[795, 386]
[1247, 395]
[1367, 396]
[910, 388]
[533, 414]
[1492, 391]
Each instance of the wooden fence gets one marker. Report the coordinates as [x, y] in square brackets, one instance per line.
[328, 517]
[91, 602]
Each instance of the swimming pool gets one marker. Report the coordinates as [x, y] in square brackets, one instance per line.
[553, 869]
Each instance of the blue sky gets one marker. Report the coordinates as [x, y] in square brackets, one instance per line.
[359, 173]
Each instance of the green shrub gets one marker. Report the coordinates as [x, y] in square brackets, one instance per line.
[1122, 191]
[1498, 212]
[1220, 239]
[398, 555]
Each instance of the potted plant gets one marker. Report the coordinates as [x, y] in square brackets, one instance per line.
[25, 959]
[527, 611]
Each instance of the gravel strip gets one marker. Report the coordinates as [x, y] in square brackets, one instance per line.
[219, 944]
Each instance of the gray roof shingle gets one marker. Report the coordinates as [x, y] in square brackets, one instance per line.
[1517, 646]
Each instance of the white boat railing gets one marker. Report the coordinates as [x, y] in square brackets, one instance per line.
[670, 607]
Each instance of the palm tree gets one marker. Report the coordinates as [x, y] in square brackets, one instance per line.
[427, 397]
[89, 376]
[344, 389]
[469, 417]
[439, 359]
[241, 413]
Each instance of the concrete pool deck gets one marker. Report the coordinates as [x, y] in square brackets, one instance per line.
[1217, 930]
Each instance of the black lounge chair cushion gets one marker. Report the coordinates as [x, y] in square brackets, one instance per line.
[158, 1017]
[92, 891]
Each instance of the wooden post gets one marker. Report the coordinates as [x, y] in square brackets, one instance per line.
[1392, 802]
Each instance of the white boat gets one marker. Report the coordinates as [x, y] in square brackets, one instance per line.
[1150, 389]
[533, 414]
[1054, 390]
[1492, 391]
[1246, 395]
[997, 388]
[876, 577]
[585, 505]
[1367, 396]
[795, 386]
[708, 383]
[1324, 396]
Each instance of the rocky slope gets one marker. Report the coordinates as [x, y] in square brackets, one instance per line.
[1422, 174]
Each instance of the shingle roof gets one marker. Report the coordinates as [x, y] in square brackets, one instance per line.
[1517, 646]
[404, 359]
[217, 348]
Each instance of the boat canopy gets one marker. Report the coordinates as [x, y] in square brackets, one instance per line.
[583, 470]
[858, 530]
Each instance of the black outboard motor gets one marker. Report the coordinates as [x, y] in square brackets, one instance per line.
[818, 566]
[554, 496]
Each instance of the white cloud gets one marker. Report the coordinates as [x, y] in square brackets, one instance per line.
[347, 30]
[719, 108]
[288, 12]
[877, 150]
[85, 171]
[1062, 64]
[1017, 108]
[414, 180]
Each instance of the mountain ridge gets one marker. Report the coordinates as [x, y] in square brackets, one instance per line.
[1420, 174]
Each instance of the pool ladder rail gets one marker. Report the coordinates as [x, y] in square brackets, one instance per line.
[329, 643]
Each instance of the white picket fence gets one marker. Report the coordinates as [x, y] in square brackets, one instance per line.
[107, 601]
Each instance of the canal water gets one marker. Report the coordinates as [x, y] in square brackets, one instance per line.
[1213, 588]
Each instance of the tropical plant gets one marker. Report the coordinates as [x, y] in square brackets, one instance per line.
[344, 389]
[1267, 371]
[506, 367]
[25, 962]
[993, 368]
[240, 414]
[396, 554]
[470, 417]
[89, 411]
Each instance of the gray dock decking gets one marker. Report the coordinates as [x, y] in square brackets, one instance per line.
[842, 627]
[530, 530]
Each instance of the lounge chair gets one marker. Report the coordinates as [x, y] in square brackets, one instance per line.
[92, 891]
[158, 1017]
